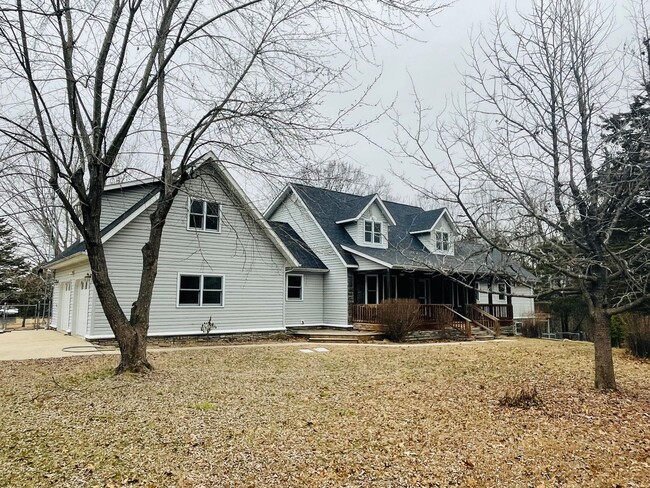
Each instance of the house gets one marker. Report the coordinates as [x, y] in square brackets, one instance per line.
[316, 258]
[375, 249]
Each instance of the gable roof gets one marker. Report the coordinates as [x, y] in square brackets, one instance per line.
[299, 248]
[425, 222]
[111, 229]
[405, 250]
[365, 202]
[145, 202]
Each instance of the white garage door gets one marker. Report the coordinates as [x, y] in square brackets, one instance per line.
[63, 322]
[81, 308]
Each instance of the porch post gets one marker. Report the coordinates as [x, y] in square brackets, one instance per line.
[389, 285]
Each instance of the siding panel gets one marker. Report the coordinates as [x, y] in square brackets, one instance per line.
[335, 281]
[116, 202]
[310, 310]
[253, 268]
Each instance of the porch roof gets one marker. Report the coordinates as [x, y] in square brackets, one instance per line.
[469, 259]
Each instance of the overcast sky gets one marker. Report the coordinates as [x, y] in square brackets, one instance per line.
[434, 66]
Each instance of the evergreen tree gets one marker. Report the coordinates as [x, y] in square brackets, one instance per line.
[628, 168]
[13, 267]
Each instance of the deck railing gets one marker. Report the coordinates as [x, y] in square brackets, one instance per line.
[434, 317]
[502, 312]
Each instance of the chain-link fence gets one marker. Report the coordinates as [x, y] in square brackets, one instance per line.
[14, 316]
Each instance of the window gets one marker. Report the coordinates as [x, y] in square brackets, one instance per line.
[502, 291]
[204, 215]
[294, 287]
[200, 291]
[477, 293]
[372, 232]
[442, 241]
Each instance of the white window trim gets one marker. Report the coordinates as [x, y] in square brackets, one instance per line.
[201, 275]
[442, 233]
[205, 209]
[376, 290]
[373, 223]
[302, 288]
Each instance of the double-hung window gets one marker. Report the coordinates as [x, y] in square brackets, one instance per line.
[204, 215]
[442, 241]
[294, 287]
[200, 290]
[372, 232]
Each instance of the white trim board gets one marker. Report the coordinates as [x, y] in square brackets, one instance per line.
[382, 207]
[450, 221]
[369, 258]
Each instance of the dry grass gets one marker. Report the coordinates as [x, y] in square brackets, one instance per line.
[356, 416]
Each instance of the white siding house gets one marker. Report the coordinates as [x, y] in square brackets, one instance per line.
[316, 258]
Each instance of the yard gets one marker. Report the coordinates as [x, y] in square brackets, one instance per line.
[354, 416]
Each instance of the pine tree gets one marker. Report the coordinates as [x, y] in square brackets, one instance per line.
[628, 167]
[12, 266]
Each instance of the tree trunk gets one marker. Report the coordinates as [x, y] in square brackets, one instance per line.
[605, 379]
[133, 349]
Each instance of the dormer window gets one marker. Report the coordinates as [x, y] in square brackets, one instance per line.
[442, 241]
[372, 232]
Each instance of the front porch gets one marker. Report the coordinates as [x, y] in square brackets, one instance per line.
[445, 302]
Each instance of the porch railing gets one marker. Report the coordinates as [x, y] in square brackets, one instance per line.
[434, 317]
[501, 312]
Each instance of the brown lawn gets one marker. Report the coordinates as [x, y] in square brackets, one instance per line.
[356, 416]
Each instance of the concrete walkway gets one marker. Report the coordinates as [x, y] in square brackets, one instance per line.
[40, 344]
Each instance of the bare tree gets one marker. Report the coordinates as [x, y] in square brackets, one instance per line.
[344, 177]
[529, 132]
[84, 82]
[42, 227]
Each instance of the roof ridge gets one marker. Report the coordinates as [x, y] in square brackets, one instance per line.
[333, 191]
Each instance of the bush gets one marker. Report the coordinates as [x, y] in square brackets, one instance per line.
[638, 335]
[524, 398]
[532, 328]
[400, 317]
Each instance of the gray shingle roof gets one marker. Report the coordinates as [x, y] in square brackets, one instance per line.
[426, 219]
[300, 250]
[404, 250]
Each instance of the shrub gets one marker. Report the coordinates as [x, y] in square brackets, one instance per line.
[524, 398]
[532, 328]
[400, 317]
[638, 335]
